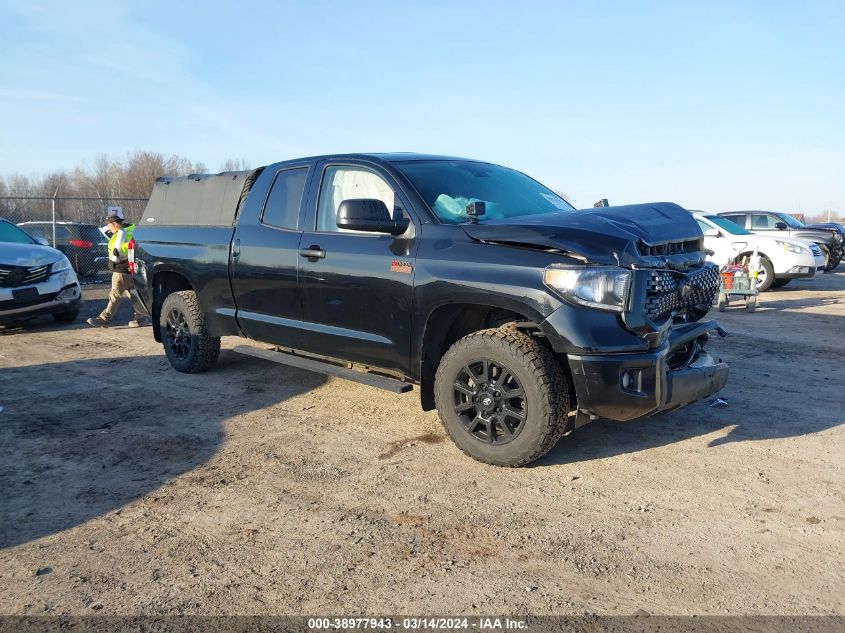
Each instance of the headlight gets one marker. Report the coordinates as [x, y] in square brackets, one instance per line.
[793, 248]
[592, 286]
[60, 265]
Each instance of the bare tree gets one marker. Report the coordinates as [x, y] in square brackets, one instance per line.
[235, 164]
[563, 195]
[107, 179]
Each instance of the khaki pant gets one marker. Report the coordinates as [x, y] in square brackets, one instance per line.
[121, 284]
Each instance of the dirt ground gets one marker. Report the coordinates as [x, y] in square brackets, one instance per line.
[261, 489]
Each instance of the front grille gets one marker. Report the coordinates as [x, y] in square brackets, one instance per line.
[666, 294]
[671, 248]
[815, 249]
[14, 276]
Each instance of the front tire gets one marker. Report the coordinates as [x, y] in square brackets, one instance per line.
[502, 397]
[828, 257]
[187, 344]
[66, 317]
[766, 277]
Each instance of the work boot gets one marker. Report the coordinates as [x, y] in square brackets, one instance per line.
[97, 322]
[138, 322]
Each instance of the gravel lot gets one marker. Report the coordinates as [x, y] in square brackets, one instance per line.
[261, 489]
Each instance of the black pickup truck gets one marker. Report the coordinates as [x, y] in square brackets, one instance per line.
[518, 317]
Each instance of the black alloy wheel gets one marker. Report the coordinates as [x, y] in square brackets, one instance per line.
[489, 401]
[177, 334]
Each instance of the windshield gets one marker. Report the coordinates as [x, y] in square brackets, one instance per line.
[448, 186]
[11, 233]
[790, 221]
[726, 225]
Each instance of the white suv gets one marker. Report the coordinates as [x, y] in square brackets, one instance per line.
[783, 259]
[35, 279]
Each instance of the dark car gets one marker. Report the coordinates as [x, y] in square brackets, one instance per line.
[837, 228]
[829, 239]
[83, 244]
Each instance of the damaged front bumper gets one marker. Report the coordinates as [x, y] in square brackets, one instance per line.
[628, 386]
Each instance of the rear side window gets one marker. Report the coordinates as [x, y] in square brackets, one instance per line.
[764, 222]
[35, 230]
[282, 207]
[92, 234]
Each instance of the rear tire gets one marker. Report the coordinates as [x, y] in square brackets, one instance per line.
[502, 397]
[66, 317]
[187, 344]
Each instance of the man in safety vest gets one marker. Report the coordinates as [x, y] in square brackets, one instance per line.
[121, 280]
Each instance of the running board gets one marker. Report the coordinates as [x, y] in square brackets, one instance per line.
[323, 367]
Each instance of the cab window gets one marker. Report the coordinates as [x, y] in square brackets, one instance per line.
[349, 183]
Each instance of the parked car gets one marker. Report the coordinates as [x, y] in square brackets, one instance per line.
[518, 318]
[836, 227]
[35, 279]
[783, 258]
[83, 244]
[783, 224]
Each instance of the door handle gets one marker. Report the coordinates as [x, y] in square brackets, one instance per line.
[312, 252]
[236, 248]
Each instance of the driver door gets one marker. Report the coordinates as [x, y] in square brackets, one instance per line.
[357, 287]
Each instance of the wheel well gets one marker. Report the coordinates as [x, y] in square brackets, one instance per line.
[750, 253]
[165, 283]
[449, 323]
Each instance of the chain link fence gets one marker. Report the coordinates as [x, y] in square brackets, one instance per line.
[72, 225]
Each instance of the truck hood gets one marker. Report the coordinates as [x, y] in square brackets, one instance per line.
[13, 254]
[826, 236]
[833, 227]
[654, 235]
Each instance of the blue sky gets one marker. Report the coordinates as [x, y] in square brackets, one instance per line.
[714, 105]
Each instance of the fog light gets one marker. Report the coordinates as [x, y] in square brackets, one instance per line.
[68, 293]
[630, 380]
[799, 269]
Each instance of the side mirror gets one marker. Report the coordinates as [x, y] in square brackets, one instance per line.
[41, 240]
[601, 204]
[781, 226]
[366, 214]
[712, 233]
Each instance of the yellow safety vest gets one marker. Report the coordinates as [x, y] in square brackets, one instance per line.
[124, 249]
